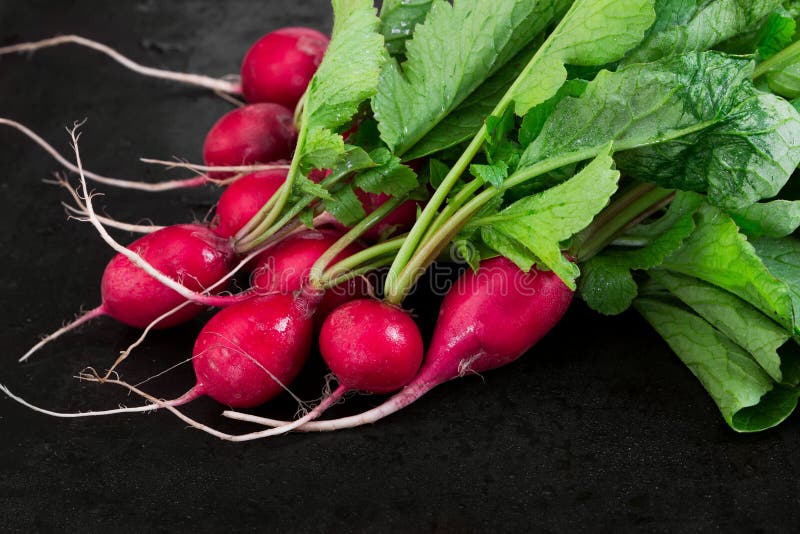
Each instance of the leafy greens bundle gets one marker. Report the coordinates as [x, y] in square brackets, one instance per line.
[651, 141]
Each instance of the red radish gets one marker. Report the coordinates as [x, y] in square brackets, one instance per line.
[244, 198]
[279, 66]
[487, 320]
[258, 133]
[186, 252]
[248, 352]
[189, 253]
[285, 267]
[371, 346]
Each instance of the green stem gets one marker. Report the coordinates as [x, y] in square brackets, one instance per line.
[272, 209]
[387, 248]
[778, 61]
[432, 207]
[627, 211]
[328, 283]
[317, 270]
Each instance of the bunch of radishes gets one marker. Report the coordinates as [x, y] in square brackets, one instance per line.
[304, 281]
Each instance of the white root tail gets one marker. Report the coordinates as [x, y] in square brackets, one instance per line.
[207, 82]
[394, 404]
[85, 318]
[99, 178]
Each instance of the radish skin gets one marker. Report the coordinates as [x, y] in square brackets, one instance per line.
[258, 133]
[280, 65]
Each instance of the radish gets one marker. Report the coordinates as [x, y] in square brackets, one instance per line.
[371, 346]
[248, 352]
[487, 320]
[189, 253]
[279, 66]
[258, 133]
[286, 266]
[243, 198]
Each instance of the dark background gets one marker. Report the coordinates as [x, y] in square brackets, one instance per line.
[600, 428]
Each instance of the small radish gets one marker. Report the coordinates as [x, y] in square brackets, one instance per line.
[243, 198]
[191, 254]
[247, 353]
[371, 346]
[258, 133]
[487, 320]
[279, 66]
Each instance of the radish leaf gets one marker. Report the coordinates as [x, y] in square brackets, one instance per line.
[745, 395]
[593, 32]
[398, 20]
[717, 253]
[778, 218]
[742, 323]
[473, 39]
[539, 223]
[693, 122]
[692, 25]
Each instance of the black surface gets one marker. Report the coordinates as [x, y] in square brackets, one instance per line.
[600, 428]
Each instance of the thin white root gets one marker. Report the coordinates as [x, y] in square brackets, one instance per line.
[196, 424]
[175, 164]
[20, 400]
[86, 317]
[135, 258]
[99, 178]
[394, 404]
[231, 100]
[207, 82]
[81, 214]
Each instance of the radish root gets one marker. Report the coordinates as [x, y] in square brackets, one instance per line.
[214, 84]
[84, 318]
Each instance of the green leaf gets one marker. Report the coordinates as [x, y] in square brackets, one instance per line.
[776, 33]
[786, 81]
[534, 120]
[473, 39]
[390, 177]
[349, 72]
[438, 171]
[307, 218]
[742, 323]
[345, 206]
[607, 284]
[398, 20]
[782, 258]
[322, 149]
[304, 186]
[748, 400]
[593, 32]
[494, 175]
[717, 253]
[692, 122]
[778, 218]
[464, 122]
[693, 25]
[535, 226]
